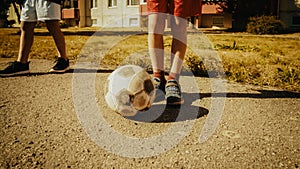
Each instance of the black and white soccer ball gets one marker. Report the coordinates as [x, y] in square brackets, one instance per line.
[129, 89]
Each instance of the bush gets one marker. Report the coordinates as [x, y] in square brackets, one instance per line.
[63, 24]
[265, 25]
[3, 12]
[196, 65]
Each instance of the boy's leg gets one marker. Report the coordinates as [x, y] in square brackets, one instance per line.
[179, 32]
[58, 36]
[173, 90]
[26, 41]
[156, 25]
[62, 64]
[157, 10]
[21, 66]
[50, 12]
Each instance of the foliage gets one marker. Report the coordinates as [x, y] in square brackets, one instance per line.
[5, 4]
[196, 65]
[265, 25]
[241, 10]
[236, 46]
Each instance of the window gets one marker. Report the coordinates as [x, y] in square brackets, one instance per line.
[296, 20]
[112, 3]
[75, 3]
[94, 3]
[132, 2]
[143, 1]
[94, 21]
[218, 21]
[67, 4]
[70, 4]
[133, 22]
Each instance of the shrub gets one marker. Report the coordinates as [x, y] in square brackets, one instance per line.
[63, 24]
[3, 12]
[196, 65]
[265, 25]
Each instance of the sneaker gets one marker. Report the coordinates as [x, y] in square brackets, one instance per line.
[173, 93]
[61, 66]
[159, 86]
[15, 68]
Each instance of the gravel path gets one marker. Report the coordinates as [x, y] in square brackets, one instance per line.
[41, 128]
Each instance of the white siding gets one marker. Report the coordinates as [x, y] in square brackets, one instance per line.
[119, 16]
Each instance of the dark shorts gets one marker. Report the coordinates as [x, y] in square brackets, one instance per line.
[182, 8]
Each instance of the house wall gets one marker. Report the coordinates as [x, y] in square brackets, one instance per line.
[289, 13]
[84, 13]
[213, 16]
[210, 20]
[119, 16]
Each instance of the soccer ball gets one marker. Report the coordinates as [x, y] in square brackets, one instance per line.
[129, 89]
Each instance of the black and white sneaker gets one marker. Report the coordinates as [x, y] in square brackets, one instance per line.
[159, 85]
[15, 68]
[173, 93]
[61, 66]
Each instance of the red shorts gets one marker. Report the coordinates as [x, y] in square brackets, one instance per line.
[182, 8]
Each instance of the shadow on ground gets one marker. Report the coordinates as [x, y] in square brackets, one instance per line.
[161, 113]
[91, 33]
[262, 94]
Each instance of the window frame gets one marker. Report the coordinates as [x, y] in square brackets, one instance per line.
[216, 20]
[113, 5]
[94, 3]
[143, 2]
[295, 18]
[129, 3]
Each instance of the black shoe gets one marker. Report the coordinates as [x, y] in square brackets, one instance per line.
[61, 66]
[15, 68]
[173, 93]
[159, 86]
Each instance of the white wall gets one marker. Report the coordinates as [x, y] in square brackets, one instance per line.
[119, 16]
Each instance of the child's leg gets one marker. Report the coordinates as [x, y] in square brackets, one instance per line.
[179, 32]
[156, 26]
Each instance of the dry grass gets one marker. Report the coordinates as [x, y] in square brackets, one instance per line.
[259, 60]
[43, 46]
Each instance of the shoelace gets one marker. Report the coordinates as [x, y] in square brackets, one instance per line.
[174, 89]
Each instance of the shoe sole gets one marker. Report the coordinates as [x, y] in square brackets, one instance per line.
[175, 103]
[16, 73]
[59, 71]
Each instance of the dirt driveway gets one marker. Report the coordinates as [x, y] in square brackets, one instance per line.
[41, 127]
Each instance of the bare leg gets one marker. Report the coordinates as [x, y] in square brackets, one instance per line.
[179, 32]
[155, 40]
[26, 41]
[58, 36]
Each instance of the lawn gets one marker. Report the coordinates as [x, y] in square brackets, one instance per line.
[259, 60]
